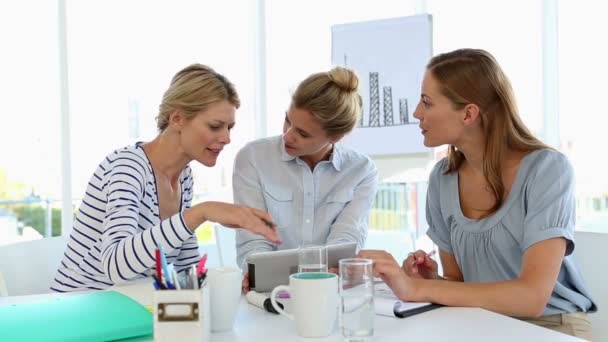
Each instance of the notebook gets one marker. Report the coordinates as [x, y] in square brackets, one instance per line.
[98, 316]
[387, 304]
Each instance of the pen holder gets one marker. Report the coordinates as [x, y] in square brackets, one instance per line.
[182, 315]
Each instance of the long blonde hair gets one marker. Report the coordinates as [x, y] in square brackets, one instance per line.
[192, 90]
[468, 76]
[332, 98]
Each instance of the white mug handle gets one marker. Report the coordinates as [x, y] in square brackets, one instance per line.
[273, 300]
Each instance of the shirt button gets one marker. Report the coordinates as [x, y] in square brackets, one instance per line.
[308, 194]
[307, 221]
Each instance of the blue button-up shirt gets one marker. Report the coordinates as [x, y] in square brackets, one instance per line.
[327, 205]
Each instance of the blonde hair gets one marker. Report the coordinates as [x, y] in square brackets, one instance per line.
[332, 98]
[192, 90]
[468, 76]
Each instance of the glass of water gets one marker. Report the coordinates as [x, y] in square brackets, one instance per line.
[312, 259]
[356, 299]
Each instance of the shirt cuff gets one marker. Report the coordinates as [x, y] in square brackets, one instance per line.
[180, 226]
[549, 233]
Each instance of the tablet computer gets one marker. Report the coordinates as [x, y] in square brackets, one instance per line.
[270, 269]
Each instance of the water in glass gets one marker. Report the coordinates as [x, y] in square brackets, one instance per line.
[357, 299]
[312, 268]
[357, 319]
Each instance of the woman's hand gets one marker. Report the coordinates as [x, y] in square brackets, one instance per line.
[240, 216]
[387, 268]
[420, 265]
[245, 286]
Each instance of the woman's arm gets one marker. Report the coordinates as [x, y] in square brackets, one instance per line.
[247, 190]
[420, 265]
[525, 296]
[127, 252]
[451, 271]
[547, 229]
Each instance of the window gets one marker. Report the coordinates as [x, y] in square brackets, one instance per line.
[30, 161]
[298, 37]
[516, 43]
[122, 56]
[298, 44]
[583, 118]
[119, 69]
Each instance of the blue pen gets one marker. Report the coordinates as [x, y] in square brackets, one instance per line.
[156, 283]
[163, 261]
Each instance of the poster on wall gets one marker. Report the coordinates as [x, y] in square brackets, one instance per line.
[389, 57]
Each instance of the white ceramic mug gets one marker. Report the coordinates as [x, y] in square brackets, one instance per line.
[314, 297]
[225, 293]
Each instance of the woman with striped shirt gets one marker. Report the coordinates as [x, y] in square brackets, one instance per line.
[139, 197]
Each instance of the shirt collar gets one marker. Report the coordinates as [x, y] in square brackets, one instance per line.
[335, 159]
[284, 155]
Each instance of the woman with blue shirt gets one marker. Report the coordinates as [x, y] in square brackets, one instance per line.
[317, 190]
[139, 197]
[500, 207]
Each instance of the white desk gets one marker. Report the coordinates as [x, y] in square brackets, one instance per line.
[453, 324]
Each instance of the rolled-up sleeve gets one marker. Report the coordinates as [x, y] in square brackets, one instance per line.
[550, 202]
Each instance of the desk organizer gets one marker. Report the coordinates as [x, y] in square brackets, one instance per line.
[182, 315]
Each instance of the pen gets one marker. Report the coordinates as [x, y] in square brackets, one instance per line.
[158, 284]
[201, 279]
[428, 256]
[200, 267]
[159, 271]
[270, 224]
[163, 261]
[193, 277]
[176, 280]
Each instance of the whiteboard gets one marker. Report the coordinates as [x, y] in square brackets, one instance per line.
[390, 58]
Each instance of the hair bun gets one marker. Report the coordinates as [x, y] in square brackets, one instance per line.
[343, 78]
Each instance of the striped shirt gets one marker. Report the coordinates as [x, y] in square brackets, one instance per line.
[118, 226]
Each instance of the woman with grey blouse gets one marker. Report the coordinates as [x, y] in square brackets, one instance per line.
[500, 207]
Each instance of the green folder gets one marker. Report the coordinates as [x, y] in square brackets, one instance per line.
[98, 316]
